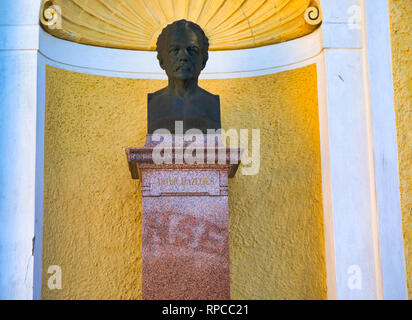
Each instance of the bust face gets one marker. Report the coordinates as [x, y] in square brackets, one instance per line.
[182, 57]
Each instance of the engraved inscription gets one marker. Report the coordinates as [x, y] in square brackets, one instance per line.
[185, 181]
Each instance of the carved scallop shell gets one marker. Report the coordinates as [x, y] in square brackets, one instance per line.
[136, 24]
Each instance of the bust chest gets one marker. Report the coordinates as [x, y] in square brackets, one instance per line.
[201, 112]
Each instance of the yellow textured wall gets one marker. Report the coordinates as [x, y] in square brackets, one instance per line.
[401, 36]
[92, 207]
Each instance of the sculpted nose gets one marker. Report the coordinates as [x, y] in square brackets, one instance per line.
[183, 55]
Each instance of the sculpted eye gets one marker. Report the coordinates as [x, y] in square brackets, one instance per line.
[193, 50]
[173, 51]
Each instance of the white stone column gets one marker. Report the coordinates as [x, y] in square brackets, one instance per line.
[356, 77]
[18, 91]
[350, 148]
[377, 33]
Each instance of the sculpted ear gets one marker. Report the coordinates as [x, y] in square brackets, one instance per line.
[161, 63]
[205, 61]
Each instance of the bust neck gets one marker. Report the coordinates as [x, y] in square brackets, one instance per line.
[182, 88]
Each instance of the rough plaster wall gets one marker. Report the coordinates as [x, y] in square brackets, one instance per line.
[401, 36]
[92, 208]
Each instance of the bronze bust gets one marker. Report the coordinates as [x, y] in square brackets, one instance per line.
[183, 52]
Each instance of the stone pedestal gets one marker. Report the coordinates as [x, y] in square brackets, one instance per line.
[185, 223]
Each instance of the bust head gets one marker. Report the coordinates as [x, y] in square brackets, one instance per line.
[182, 50]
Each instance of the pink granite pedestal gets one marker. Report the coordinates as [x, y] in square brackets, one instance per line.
[185, 224]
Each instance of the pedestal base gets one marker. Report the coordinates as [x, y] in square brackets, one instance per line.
[185, 227]
[185, 248]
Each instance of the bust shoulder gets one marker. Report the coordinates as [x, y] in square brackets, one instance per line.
[207, 99]
[207, 94]
[156, 94]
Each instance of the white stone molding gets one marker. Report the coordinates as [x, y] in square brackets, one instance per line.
[144, 65]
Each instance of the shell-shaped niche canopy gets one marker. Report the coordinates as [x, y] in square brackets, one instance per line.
[136, 24]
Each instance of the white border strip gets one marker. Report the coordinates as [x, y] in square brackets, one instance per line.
[330, 252]
[39, 177]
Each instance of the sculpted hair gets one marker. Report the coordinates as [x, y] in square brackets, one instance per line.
[162, 39]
